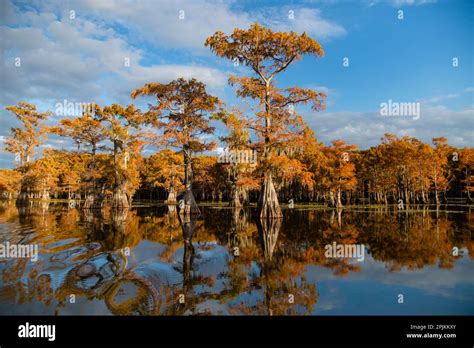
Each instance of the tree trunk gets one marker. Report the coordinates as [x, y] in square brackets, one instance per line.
[468, 185]
[245, 197]
[92, 197]
[24, 195]
[407, 197]
[332, 202]
[235, 197]
[339, 203]
[171, 196]
[189, 207]
[92, 201]
[120, 198]
[22, 199]
[268, 201]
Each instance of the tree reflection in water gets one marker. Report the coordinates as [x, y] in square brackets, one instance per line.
[139, 261]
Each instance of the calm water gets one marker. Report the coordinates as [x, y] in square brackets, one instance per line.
[146, 260]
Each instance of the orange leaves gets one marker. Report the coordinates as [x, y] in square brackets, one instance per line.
[248, 87]
[415, 165]
[165, 169]
[265, 51]
[9, 181]
[339, 167]
[84, 130]
[297, 95]
[28, 114]
[23, 141]
[180, 111]
[276, 124]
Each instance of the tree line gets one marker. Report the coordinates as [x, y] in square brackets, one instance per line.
[292, 165]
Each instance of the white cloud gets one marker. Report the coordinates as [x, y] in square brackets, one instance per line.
[307, 20]
[173, 23]
[167, 72]
[187, 23]
[81, 60]
[441, 98]
[366, 128]
[401, 3]
[76, 59]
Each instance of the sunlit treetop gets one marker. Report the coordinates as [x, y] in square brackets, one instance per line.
[86, 130]
[265, 51]
[117, 121]
[268, 53]
[25, 139]
[181, 111]
[181, 98]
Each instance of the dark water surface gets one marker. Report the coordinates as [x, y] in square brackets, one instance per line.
[227, 262]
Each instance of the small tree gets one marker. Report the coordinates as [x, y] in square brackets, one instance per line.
[439, 165]
[182, 111]
[9, 183]
[238, 142]
[117, 122]
[269, 53]
[24, 140]
[340, 170]
[86, 131]
[165, 169]
[466, 166]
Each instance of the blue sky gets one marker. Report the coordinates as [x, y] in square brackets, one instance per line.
[406, 60]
